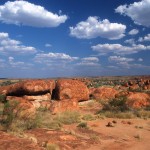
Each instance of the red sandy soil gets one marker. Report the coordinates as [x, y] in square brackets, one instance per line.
[131, 134]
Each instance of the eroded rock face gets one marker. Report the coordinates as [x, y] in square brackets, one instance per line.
[21, 108]
[103, 93]
[30, 87]
[64, 105]
[138, 100]
[71, 89]
[45, 97]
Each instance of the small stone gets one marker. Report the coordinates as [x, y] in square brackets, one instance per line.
[109, 124]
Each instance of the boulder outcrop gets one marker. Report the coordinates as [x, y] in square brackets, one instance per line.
[71, 89]
[29, 87]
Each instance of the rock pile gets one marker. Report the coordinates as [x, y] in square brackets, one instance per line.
[56, 96]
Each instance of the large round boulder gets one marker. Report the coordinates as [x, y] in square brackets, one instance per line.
[138, 100]
[71, 89]
[103, 93]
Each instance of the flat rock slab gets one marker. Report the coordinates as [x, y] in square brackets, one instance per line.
[10, 142]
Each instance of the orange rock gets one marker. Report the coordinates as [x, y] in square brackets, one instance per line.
[122, 94]
[45, 104]
[134, 87]
[67, 137]
[63, 105]
[29, 87]
[126, 85]
[70, 89]
[45, 97]
[138, 100]
[11, 142]
[104, 93]
[20, 107]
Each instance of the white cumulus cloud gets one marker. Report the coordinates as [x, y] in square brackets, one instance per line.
[119, 49]
[18, 64]
[89, 61]
[130, 41]
[48, 45]
[120, 59]
[133, 32]
[145, 38]
[25, 13]
[8, 45]
[93, 27]
[53, 57]
[139, 12]
[140, 59]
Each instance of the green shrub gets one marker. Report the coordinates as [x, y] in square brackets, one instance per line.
[68, 117]
[12, 120]
[2, 98]
[5, 83]
[116, 104]
[83, 125]
[9, 112]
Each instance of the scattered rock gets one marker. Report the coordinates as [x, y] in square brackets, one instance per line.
[114, 121]
[110, 124]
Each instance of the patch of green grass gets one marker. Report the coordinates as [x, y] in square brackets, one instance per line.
[68, 117]
[121, 115]
[143, 114]
[88, 117]
[46, 121]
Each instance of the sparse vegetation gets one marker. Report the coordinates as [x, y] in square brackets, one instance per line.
[68, 117]
[117, 108]
[121, 115]
[52, 146]
[8, 82]
[142, 113]
[88, 117]
[95, 138]
[116, 104]
[2, 98]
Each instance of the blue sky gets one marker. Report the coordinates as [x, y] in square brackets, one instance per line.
[59, 38]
